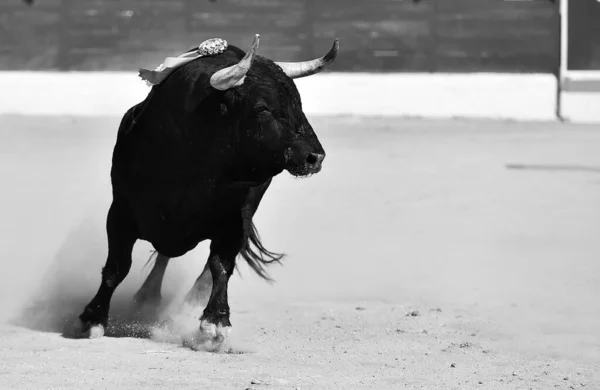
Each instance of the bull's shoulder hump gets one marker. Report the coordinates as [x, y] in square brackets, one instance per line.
[129, 119]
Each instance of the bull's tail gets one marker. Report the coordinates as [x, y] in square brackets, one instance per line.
[255, 253]
[151, 259]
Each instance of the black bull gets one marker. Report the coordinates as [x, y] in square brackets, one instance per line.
[192, 163]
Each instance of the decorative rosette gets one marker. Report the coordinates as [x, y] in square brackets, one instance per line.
[212, 47]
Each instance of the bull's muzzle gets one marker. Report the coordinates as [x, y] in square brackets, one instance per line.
[314, 162]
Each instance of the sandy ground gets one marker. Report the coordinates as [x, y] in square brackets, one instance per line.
[418, 258]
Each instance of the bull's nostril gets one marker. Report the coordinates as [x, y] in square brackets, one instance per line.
[312, 158]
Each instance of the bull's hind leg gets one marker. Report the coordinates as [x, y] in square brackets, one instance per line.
[200, 292]
[149, 294]
[121, 233]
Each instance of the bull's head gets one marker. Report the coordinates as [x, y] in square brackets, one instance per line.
[258, 99]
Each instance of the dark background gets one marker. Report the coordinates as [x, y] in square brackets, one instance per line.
[584, 35]
[375, 35]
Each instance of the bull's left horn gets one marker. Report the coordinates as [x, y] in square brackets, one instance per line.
[234, 75]
[296, 70]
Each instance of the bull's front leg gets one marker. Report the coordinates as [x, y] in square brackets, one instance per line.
[214, 323]
[121, 232]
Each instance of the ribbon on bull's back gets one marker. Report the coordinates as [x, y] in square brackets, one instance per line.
[210, 47]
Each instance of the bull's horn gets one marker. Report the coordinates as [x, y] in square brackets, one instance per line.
[296, 70]
[234, 75]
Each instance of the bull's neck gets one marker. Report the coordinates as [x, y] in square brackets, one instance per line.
[215, 151]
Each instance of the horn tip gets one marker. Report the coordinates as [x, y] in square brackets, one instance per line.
[333, 52]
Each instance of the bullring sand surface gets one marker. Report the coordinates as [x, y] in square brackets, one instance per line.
[426, 254]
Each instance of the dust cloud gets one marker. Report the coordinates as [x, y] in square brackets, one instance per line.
[73, 276]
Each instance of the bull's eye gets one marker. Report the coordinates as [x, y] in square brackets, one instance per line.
[261, 109]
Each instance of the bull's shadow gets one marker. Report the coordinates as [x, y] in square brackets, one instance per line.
[73, 277]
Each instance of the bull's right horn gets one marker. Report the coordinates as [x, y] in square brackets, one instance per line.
[234, 75]
[296, 70]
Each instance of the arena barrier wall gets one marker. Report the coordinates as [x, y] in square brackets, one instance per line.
[522, 97]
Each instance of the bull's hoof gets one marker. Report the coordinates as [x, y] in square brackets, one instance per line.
[219, 332]
[210, 337]
[86, 330]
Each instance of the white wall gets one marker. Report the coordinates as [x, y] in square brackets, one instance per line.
[498, 96]
[521, 97]
[581, 107]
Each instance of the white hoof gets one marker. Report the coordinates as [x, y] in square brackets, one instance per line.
[216, 332]
[209, 337]
[208, 330]
[223, 332]
[87, 331]
[96, 332]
